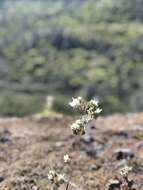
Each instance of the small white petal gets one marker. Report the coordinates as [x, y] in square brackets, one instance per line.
[75, 102]
[61, 177]
[66, 158]
[98, 110]
[50, 177]
[52, 172]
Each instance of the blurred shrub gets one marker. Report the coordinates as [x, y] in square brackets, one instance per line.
[60, 105]
[64, 48]
[19, 104]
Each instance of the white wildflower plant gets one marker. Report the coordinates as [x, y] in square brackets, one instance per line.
[125, 171]
[55, 178]
[90, 110]
[125, 182]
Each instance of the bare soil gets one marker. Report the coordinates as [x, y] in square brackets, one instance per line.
[30, 147]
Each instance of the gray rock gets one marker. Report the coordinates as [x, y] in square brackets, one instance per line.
[87, 139]
[122, 132]
[123, 153]
[94, 150]
[113, 184]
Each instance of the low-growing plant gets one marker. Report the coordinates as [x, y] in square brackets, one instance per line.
[125, 182]
[122, 182]
[89, 110]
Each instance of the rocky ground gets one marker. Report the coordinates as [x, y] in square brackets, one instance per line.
[30, 147]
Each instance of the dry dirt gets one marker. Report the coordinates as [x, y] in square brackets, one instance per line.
[30, 147]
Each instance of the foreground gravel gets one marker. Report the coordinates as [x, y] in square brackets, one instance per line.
[30, 146]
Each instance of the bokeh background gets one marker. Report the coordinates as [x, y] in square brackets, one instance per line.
[52, 50]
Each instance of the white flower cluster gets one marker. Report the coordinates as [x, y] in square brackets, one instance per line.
[89, 109]
[125, 170]
[66, 158]
[55, 178]
[76, 102]
[93, 108]
[78, 127]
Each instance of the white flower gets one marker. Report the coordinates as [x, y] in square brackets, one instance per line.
[52, 172]
[50, 177]
[98, 110]
[78, 127]
[86, 118]
[94, 102]
[61, 178]
[94, 111]
[75, 102]
[66, 158]
[56, 178]
[125, 170]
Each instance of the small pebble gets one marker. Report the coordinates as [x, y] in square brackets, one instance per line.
[122, 132]
[94, 167]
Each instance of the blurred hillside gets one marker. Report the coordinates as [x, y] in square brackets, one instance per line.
[65, 48]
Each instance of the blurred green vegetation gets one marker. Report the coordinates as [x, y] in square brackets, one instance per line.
[92, 48]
